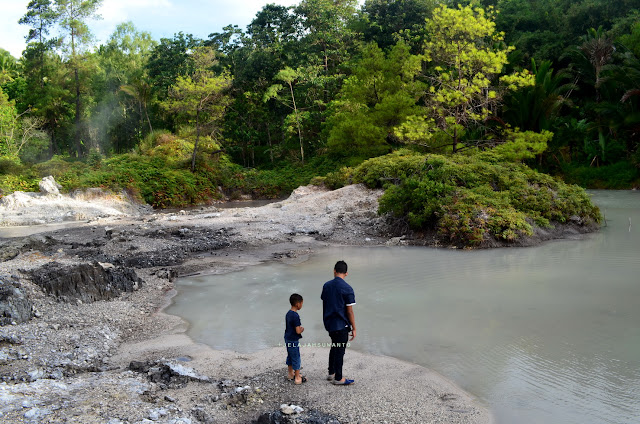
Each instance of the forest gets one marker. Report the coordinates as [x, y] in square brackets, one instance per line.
[321, 89]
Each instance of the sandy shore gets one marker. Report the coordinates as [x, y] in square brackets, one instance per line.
[93, 356]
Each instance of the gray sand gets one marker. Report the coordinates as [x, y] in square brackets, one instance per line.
[70, 362]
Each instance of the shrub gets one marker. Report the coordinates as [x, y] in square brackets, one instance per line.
[621, 175]
[94, 160]
[339, 178]
[472, 199]
[10, 165]
[392, 168]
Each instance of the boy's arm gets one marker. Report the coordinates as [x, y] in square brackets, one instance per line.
[299, 329]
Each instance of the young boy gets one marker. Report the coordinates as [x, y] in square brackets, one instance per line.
[292, 335]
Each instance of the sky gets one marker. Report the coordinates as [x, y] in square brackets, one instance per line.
[161, 18]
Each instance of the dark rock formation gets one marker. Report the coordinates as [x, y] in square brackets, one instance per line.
[85, 282]
[166, 374]
[308, 417]
[14, 305]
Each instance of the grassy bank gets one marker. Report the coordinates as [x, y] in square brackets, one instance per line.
[158, 174]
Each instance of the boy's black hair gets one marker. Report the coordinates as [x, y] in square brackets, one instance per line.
[341, 267]
[295, 298]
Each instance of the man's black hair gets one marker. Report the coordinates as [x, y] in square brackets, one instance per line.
[341, 267]
[294, 299]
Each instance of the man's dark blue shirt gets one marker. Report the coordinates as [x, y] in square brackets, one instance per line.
[336, 296]
[292, 320]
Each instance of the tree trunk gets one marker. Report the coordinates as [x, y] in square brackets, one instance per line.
[78, 118]
[295, 110]
[455, 140]
[146, 113]
[77, 136]
[270, 145]
[52, 144]
[195, 146]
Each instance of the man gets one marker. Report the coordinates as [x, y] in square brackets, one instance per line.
[337, 313]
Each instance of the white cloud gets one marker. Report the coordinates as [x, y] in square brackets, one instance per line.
[117, 11]
[11, 32]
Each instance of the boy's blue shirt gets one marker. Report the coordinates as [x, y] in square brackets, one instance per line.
[292, 320]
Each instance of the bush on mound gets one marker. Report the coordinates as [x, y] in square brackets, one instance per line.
[470, 200]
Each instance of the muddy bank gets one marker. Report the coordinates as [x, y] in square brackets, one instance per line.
[84, 338]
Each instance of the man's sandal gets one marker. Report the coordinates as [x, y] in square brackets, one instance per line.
[346, 382]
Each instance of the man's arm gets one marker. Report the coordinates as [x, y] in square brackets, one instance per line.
[352, 321]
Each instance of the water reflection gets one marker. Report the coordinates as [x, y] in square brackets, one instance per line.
[542, 335]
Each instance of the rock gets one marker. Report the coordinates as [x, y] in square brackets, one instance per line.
[36, 374]
[32, 413]
[49, 186]
[290, 409]
[15, 307]
[85, 282]
[201, 415]
[396, 241]
[286, 409]
[577, 220]
[167, 374]
[156, 414]
[180, 421]
[167, 274]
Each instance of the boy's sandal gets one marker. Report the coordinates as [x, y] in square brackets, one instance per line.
[304, 379]
[346, 382]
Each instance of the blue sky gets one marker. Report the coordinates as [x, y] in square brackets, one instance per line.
[162, 18]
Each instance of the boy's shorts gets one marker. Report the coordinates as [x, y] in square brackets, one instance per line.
[293, 354]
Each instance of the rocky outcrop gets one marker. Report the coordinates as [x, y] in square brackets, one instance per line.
[167, 374]
[49, 206]
[15, 307]
[48, 185]
[85, 282]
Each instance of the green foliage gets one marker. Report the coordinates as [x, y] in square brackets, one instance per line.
[384, 21]
[621, 175]
[474, 199]
[94, 159]
[8, 125]
[465, 54]
[11, 183]
[544, 29]
[378, 96]
[10, 165]
[353, 82]
[395, 167]
[519, 146]
[200, 98]
[338, 179]
[20, 136]
[535, 107]
[161, 177]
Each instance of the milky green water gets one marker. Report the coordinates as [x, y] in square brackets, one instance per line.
[549, 334]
